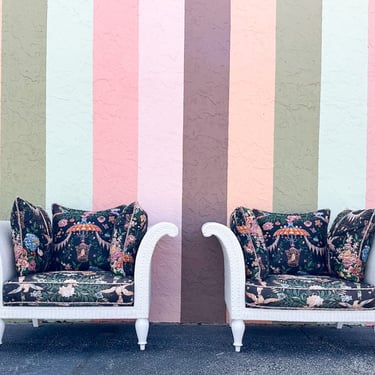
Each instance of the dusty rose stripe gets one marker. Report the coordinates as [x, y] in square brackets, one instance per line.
[115, 96]
[370, 188]
[207, 37]
[251, 103]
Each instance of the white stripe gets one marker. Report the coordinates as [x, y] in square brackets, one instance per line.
[69, 103]
[343, 107]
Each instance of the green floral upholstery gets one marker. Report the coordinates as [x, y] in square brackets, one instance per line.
[296, 242]
[349, 243]
[69, 288]
[32, 237]
[129, 229]
[82, 238]
[249, 234]
[308, 291]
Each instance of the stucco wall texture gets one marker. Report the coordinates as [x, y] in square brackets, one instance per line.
[192, 108]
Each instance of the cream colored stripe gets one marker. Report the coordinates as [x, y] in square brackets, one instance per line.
[343, 118]
[69, 103]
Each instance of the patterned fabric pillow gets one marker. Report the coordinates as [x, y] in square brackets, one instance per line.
[129, 229]
[249, 234]
[82, 238]
[296, 242]
[349, 243]
[32, 237]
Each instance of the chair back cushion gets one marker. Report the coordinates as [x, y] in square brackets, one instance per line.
[349, 243]
[128, 231]
[249, 234]
[82, 238]
[296, 242]
[31, 236]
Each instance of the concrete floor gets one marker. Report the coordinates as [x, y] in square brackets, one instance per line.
[110, 348]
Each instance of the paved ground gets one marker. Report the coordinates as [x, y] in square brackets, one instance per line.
[110, 348]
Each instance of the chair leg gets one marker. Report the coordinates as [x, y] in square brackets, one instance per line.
[2, 329]
[141, 327]
[339, 325]
[238, 329]
[35, 323]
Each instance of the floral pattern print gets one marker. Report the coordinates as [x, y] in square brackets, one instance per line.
[128, 232]
[31, 236]
[249, 234]
[82, 238]
[349, 243]
[309, 291]
[296, 242]
[67, 288]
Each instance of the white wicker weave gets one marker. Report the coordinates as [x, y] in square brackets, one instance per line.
[142, 275]
[234, 271]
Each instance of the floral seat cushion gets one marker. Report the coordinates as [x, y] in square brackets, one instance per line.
[309, 291]
[69, 288]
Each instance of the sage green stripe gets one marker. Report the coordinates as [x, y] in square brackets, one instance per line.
[297, 98]
[23, 103]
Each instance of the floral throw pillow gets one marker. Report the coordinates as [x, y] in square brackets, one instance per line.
[296, 242]
[82, 238]
[31, 236]
[249, 234]
[349, 243]
[129, 229]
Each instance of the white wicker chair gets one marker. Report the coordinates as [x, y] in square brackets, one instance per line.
[139, 311]
[234, 270]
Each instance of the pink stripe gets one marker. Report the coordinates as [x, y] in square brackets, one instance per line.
[115, 97]
[370, 188]
[161, 74]
[251, 104]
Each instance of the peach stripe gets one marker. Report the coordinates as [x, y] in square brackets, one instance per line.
[115, 86]
[370, 188]
[251, 103]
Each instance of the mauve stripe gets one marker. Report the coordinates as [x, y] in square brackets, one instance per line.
[206, 93]
[115, 102]
[23, 116]
[297, 98]
[370, 188]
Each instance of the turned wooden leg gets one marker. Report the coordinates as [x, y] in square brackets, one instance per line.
[2, 329]
[238, 329]
[141, 327]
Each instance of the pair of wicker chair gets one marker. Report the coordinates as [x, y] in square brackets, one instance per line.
[246, 297]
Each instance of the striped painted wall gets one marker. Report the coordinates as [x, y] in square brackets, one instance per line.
[193, 108]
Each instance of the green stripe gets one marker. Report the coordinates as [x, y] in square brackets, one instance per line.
[297, 98]
[23, 103]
